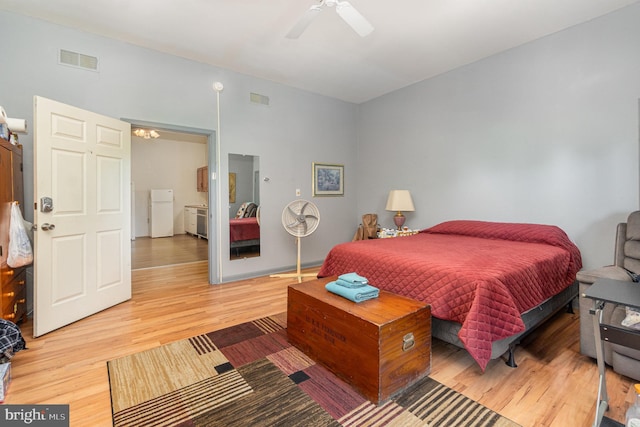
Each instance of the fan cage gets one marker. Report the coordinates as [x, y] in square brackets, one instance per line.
[292, 222]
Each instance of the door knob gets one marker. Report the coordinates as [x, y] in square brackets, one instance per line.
[47, 227]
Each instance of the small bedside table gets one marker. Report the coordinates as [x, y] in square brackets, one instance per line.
[605, 291]
[387, 233]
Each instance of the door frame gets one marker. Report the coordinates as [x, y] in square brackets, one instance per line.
[212, 149]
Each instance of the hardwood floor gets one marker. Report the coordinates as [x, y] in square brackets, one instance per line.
[179, 249]
[553, 386]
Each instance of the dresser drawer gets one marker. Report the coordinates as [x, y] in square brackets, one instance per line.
[8, 274]
[14, 297]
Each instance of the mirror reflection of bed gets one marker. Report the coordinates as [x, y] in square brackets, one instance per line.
[244, 206]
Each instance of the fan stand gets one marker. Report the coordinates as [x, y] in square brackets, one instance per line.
[298, 274]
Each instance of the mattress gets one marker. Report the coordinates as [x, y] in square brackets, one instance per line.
[244, 229]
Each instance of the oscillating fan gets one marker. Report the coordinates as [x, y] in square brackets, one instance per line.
[344, 9]
[300, 218]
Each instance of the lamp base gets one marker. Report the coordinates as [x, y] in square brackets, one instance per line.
[399, 220]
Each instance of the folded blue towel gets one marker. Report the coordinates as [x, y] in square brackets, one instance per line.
[354, 294]
[353, 278]
[350, 284]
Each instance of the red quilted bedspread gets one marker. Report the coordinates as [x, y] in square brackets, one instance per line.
[243, 229]
[482, 275]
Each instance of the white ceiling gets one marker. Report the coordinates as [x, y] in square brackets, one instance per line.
[413, 39]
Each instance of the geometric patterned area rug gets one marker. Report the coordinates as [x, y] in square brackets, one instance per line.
[249, 375]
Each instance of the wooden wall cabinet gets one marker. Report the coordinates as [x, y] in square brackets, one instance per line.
[13, 283]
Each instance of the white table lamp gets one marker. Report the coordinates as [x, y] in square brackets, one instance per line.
[399, 201]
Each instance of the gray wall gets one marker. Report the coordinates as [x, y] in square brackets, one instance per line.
[545, 133]
[146, 85]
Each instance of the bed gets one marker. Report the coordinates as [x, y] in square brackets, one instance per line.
[488, 283]
[244, 232]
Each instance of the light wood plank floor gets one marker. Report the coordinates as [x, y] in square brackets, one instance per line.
[553, 386]
[179, 249]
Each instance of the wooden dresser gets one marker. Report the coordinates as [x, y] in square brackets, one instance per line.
[13, 284]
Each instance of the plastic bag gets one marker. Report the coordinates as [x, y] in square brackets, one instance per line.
[632, 320]
[20, 252]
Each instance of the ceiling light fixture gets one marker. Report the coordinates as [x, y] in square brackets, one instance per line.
[146, 133]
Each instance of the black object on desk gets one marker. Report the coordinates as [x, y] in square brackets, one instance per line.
[608, 291]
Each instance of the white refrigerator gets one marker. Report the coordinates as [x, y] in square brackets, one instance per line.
[161, 213]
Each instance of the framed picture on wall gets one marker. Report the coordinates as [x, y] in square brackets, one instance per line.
[328, 180]
[232, 187]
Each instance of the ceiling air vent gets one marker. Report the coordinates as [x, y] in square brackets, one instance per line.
[78, 60]
[256, 98]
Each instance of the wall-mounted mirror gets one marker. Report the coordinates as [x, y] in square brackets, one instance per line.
[244, 206]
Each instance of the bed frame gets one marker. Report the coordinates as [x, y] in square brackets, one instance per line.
[448, 331]
[243, 244]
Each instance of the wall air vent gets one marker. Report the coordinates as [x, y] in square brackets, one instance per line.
[256, 98]
[78, 60]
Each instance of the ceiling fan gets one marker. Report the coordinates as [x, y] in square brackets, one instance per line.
[345, 10]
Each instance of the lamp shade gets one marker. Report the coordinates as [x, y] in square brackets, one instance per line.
[400, 200]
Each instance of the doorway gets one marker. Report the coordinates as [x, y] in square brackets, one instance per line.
[161, 252]
[167, 157]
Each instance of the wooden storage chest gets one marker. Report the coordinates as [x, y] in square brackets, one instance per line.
[379, 347]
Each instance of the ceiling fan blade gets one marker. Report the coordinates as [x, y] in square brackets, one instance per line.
[304, 22]
[354, 18]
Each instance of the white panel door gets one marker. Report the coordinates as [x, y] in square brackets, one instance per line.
[82, 261]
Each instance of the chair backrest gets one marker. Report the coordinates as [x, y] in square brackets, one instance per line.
[247, 210]
[251, 210]
[631, 245]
